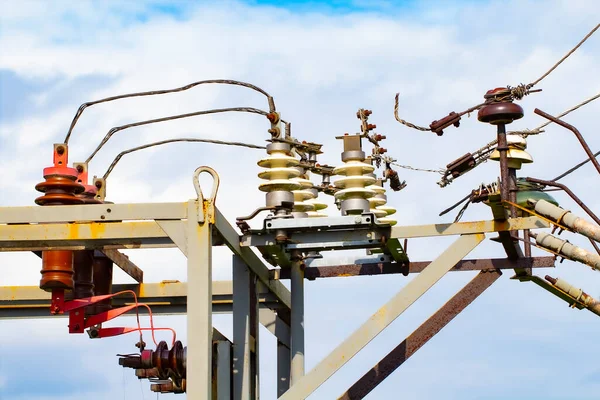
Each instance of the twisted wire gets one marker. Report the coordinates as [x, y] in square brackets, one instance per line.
[159, 143]
[164, 91]
[116, 129]
[437, 171]
[513, 93]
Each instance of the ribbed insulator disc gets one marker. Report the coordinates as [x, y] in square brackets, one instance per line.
[354, 168]
[276, 160]
[378, 213]
[302, 195]
[355, 181]
[388, 209]
[279, 184]
[355, 192]
[376, 201]
[278, 173]
[387, 220]
[301, 206]
[319, 205]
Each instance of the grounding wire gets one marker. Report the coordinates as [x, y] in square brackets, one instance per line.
[164, 91]
[167, 141]
[116, 129]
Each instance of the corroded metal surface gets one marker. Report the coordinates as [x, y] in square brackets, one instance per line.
[421, 335]
[384, 268]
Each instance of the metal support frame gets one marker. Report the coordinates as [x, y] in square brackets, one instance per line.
[256, 295]
[383, 317]
[421, 335]
[245, 332]
[297, 320]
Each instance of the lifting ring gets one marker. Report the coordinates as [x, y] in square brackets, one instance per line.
[215, 186]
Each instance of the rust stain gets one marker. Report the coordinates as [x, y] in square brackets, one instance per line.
[97, 230]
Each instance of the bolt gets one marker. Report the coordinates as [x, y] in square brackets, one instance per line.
[60, 150]
[357, 220]
[80, 168]
[371, 126]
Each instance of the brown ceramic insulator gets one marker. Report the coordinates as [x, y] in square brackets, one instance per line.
[57, 270]
[60, 187]
[498, 111]
[103, 271]
[176, 359]
[83, 274]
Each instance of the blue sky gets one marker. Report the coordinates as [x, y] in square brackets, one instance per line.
[321, 61]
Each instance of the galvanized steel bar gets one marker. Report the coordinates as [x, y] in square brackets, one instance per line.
[167, 297]
[283, 368]
[93, 212]
[463, 228]
[382, 318]
[90, 235]
[123, 262]
[244, 384]
[232, 240]
[297, 318]
[384, 268]
[421, 335]
[199, 311]
[223, 369]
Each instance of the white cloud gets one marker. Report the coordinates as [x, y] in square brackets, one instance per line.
[320, 68]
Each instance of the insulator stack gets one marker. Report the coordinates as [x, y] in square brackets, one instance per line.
[301, 205]
[59, 188]
[354, 194]
[378, 204]
[319, 205]
[279, 172]
[162, 363]
[516, 154]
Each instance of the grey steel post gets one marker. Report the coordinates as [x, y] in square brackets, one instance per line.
[383, 317]
[199, 304]
[297, 318]
[245, 332]
[223, 370]
[421, 335]
[283, 368]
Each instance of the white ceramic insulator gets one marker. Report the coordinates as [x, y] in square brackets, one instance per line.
[302, 195]
[354, 183]
[319, 205]
[279, 172]
[376, 201]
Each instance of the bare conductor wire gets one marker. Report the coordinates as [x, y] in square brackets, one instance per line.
[116, 129]
[514, 93]
[159, 143]
[165, 91]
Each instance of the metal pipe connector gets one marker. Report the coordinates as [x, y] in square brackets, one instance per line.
[568, 219]
[567, 250]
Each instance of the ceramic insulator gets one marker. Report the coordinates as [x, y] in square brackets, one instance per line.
[355, 181]
[279, 172]
[378, 204]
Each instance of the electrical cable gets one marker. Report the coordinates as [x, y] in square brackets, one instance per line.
[514, 93]
[164, 91]
[159, 143]
[116, 129]
[567, 172]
